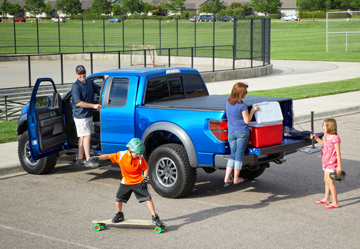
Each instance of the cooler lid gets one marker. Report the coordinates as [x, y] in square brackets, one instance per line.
[269, 113]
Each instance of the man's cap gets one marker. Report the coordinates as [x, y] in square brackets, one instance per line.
[80, 69]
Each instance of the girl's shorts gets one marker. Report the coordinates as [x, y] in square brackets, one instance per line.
[125, 191]
[329, 170]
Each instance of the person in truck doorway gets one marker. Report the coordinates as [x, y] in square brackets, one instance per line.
[82, 93]
[132, 164]
[238, 118]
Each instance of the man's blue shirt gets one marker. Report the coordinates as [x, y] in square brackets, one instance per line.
[83, 92]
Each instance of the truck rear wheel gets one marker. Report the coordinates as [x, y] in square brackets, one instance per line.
[251, 174]
[170, 172]
[41, 166]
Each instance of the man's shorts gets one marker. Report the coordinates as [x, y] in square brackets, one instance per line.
[124, 193]
[84, 126]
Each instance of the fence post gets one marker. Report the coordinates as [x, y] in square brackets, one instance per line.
[234, 41]
[213, 33]
[82, 28]
[123, 35]
[177, 36]
[169, 56]
[192, 57]
[195, 36]
[91, 62]
[14, 35]
[104, 33]
[213, 55]
[143, 31]
[62, 69]
[251, 41]
[59, 36]
[6, 118]
[160, 35]
[144, 57]
[29, 68]
[37, 35]
[263, 41]
[119, 59]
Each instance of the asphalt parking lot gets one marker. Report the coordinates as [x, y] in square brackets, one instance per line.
[276, 210]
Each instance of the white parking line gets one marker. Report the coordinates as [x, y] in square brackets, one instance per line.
[46, 237]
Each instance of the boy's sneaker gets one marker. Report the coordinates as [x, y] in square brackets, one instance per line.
[118, 217]
[91, 164]
[80, 162]
[156, 220]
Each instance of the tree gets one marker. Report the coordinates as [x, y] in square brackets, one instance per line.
[101, 7]
[266, 6]
[47, 9]
[34, 6]
[205, 8]
[5, 7]
[216, 6]
[132, 6]
[158, 10]
[116, 8]
[175, 5]
[312, 5]
[14, 8]
[146, 7]
[354, 4]
[69, 7]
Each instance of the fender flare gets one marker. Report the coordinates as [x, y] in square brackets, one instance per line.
[180, 133]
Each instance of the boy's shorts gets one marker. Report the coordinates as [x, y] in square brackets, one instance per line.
[124, 193]
[84, 126]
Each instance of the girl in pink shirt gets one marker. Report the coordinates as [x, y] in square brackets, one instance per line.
[331, 161]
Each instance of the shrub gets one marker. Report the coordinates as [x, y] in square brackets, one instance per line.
[274, 16]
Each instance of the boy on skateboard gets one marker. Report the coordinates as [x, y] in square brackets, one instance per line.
[131, 163]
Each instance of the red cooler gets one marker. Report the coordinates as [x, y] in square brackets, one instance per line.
[265, 135]
[267, 129]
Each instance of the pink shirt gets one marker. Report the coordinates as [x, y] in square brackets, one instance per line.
[329, 156]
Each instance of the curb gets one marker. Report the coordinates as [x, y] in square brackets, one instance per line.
[318, 115]
[10, 169]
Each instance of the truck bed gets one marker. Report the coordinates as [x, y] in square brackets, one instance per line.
[210, 103]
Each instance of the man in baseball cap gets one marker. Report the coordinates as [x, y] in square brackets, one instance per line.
[82, 93]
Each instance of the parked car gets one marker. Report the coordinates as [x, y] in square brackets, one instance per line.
[194, 19]
[20, 19]
[207, 18]
[226, 19]
[170, 110]
[58, 19]
[290, 18]
[114, 19]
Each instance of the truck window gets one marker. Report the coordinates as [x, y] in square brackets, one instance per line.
[176, 90]
[193, 86]
[157, 90]
[118, 92]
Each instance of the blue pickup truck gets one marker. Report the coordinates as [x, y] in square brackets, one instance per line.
[170, 109]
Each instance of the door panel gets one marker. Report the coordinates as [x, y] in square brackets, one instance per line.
[45, 123]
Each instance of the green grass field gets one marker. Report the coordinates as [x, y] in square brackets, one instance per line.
[289, 40]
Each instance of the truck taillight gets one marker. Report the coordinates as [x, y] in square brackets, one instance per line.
[219, 129]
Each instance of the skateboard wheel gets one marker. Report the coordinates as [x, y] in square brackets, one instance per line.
[102, 225]
[158, 230]
[97, 227]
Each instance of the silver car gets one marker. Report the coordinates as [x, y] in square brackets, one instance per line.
[290, 18]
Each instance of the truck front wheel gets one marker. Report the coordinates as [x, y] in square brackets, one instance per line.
[41, 166]
[253, 173]
[170, 172]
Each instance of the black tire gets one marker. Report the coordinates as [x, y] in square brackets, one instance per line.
[42, 166]
[251, 174]
[170, 172]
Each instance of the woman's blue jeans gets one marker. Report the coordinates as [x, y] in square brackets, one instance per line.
[238, 141]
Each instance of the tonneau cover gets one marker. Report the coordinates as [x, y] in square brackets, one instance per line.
[210, 102]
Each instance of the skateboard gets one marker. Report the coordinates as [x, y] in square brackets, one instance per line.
[99, 224]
